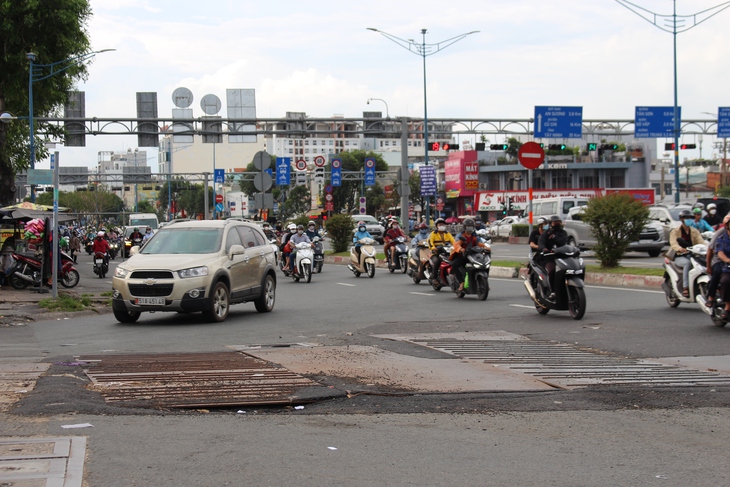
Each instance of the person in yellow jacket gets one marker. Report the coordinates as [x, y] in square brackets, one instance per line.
[439, 237]
[680, 238]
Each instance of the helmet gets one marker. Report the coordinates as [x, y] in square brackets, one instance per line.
[360, 223]
[136, 229]
[541, 220]
[468, 223]
[685, 214]
[555, 218]
[699, 205]
[711, 206]
[423, 226]
[697, 211]
[300, 227]
[100, 234]
[439, 221]
[292, 226]
[310, 224]
[267, 225]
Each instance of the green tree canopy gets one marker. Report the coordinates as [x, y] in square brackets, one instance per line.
[54, 31]
[345, 197]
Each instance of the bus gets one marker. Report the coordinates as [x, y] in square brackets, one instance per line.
[143, 220]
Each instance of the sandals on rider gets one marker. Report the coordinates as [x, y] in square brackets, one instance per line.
[685, 293]
[725, 315]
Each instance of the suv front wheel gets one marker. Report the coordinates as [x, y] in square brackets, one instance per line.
[220, 303]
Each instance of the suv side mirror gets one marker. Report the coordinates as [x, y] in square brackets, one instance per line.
[236, 250]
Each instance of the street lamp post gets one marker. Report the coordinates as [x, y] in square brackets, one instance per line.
[423, 50]
[37, 72]
[387, 113]
[674, 24]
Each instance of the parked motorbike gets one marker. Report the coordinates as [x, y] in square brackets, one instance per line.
[698, 279]
[101, 264]
[442, 267]
[569, 286]
[476, 280]
[401, 255]
[303, 262]
[27, 271]
[419, 263]
[364, 263]
[318, 254]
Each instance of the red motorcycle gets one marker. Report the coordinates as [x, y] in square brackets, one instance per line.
[443, 269]
[27, 271]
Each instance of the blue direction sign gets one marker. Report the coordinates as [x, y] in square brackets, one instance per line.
[369, 171]
[723, 123]
[283, 171]
[653, 122]
[219, 175]
[336, 174]
[219, 207]
[428, 180]
[559, 122]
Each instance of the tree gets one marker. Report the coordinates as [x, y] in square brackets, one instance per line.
[54, 31]
[345, 197]
[616, 220]
[298, 201]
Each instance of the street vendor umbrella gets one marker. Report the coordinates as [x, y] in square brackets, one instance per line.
[27, 205]
[452, 219]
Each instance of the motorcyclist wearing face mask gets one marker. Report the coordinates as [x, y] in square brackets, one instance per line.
[699, 223]
[147, 234]
[421, 236]
[362, 232]
[681, 237]
[467, 239]
[438, 238]
[534, 240]
[295, 239]
[712, 218]
[553, 237]
[393, 232]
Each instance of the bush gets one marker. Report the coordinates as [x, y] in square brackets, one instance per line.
[616, 220]
[302, 220]
[339, 228]
[520, 230]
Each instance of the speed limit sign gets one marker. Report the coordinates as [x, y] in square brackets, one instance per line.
[328, 197]
[301, 165]
[319, 161]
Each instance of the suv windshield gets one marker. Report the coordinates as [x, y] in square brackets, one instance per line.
[184, 241]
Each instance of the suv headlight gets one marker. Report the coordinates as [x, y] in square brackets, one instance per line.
[193, 272]
[121, 272]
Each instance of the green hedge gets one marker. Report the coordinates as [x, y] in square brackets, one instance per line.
[520, 230]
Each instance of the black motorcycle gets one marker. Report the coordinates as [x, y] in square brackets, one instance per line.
[569, 293]
[401, 255]
[318, 254]
[476, 280]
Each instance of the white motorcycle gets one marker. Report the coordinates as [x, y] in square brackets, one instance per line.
[303, 259]
[698, 279]
[364, 263]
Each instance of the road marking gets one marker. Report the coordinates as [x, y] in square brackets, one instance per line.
[345, 284]
[422, 294]
[521, 306]
[629, 289]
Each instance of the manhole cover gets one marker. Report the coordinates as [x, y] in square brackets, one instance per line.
[192, 380]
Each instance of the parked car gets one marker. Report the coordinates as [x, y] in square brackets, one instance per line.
[503, 227]
[651, 240]
[667, 216]
[199, 265]
[374, 228]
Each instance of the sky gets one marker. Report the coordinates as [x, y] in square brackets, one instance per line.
[318, 57]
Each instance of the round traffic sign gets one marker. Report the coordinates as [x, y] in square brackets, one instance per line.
[301, 165]
[328, 197]
[319, 161]
[328, 188]
[219, 198]
[362, 211]
[336, 163]
[369, 162]
[261, 160]
[531, 155]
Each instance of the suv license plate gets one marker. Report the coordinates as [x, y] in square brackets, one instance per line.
[152, 301]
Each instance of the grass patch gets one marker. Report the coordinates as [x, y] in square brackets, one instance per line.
[634, 271]
[66, 302]
[107, 294]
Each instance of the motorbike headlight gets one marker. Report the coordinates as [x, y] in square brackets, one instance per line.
[193, 272]
[121, 272]
[580, 261]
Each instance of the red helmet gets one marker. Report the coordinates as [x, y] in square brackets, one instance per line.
[423, 226]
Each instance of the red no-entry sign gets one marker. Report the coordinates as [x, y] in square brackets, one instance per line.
[219, 198]
[531, 155]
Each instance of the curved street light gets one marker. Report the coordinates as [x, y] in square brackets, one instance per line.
[423, 50]
[387, 114]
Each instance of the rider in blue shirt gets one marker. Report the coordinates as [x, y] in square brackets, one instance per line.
[361, 233]
[699, 223]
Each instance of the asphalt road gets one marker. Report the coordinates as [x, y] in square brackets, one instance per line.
[595, 436]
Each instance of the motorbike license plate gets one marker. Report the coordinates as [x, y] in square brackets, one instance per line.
[99, 261]
[150, 301]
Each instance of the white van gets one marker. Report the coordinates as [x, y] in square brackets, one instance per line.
[556, 206]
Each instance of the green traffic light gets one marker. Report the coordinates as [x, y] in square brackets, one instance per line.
[592, 146]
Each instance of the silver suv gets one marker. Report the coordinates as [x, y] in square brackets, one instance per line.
[193, 266]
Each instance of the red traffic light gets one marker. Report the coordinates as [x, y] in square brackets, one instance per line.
[434, 146]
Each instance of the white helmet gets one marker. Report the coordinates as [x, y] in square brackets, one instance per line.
[100, 234]
[711, 206]
[292, 226]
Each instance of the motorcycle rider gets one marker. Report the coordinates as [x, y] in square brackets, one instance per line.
[712, 218]
[440, 237]
[551, 238]
[295, 239]
[699, 223]
[362, 232]
[534, 240]
[680, 238]
[421, 236]
[285, 240]
[467, 239]
[269, 232]
[147, 234]
[311, 230]
[101, 246]
[136, 235]
[713, 263]
[393, 232]
[723, 252]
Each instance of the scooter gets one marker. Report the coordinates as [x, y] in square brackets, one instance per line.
[128, 244]
[318, 254]
[101, 264]
[419, 263]
[27, 271]
[698, 279]
[113, 248]
[364, 262]
[442, 270]
[476, 281]
[401, 255]
[302, 262]
[569, 286]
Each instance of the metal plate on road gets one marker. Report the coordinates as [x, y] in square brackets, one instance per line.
[558, 122]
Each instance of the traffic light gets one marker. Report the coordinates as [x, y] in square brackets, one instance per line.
[509, 203]
[449, 146]
[688, 146]
[612, 147]
[480, 146]
[434, 146]
[504, 210]
[498, 147]
[556, 147]
[592, 146]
